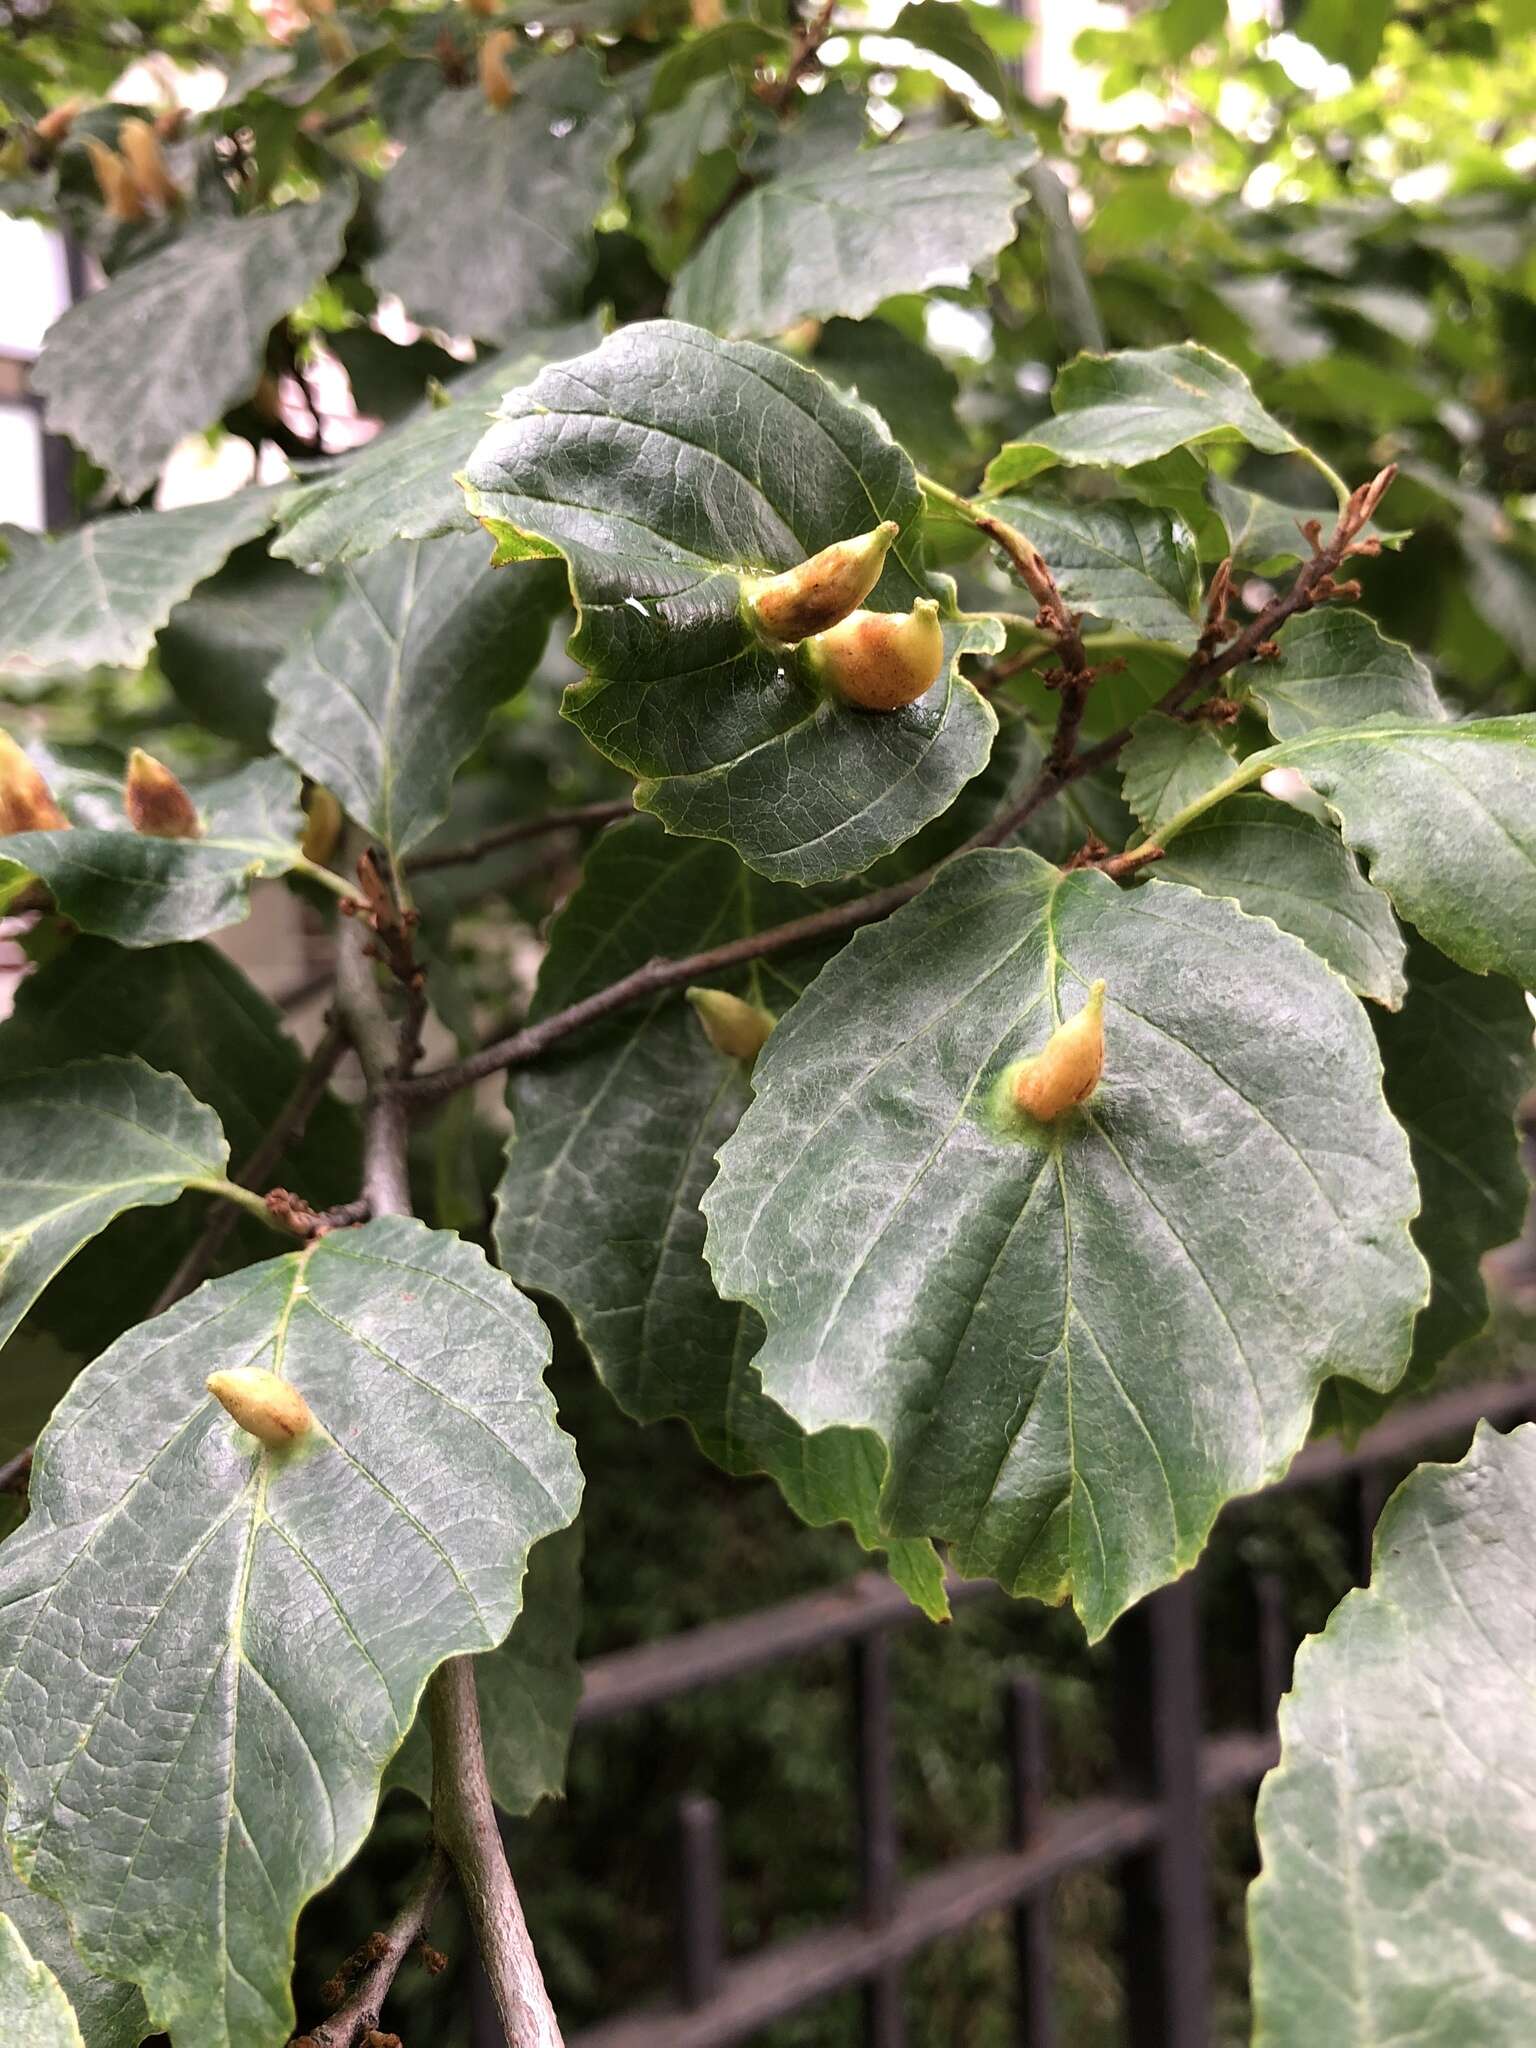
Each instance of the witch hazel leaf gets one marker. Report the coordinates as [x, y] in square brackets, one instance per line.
[1069, 1353]
[1167, 763]
[210, 1649]
[1336, 668]
[33, 2007]
[676, 473]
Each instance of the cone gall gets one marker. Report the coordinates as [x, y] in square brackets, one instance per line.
[26, 801]
[881, 660]
[140, 147]
[1066, 1070]
[738, 1029]
[818, 593]
[274, 1412]
[114, 181]
[496, 80]
[155, 801]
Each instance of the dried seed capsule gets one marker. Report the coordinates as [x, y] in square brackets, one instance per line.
[496, 80]
[26, 801]
[114, 181]
[818, 593]
[146, 160]
[1067, 1068]
[881, 660]
[155, 801]
[738, 1029]
[323, 823]
[273, 1411]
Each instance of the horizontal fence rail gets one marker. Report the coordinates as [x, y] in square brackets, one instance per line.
[1150, 1831]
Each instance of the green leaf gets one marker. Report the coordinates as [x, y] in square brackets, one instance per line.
[99, 595]
[220, 646]
[528, 1689]
[1279, 863]
[911, 389]
[1132, 407]
[82, 1144]
[729, 46]
[664, 467]
[840, 235]
[1074, 1342]
[486, 221]
[1128, 564]
[209, 1651]
[1397, 1900]
[1183, 24]
[390, 691]
[1336, 669]
[176, 339]
[1458, 1061]
[1168, 763]
[33, 2008]
[1348, 32]
[401, 485]
[142, 891]
[1265, 533]
[108, 2015]
[948, 32]
[614, 1142]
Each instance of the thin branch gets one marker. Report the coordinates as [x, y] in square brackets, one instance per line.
[353, 2021]
[580, 817]
[386, 1184]
[802, 57]
[464, 1818]
[288, 1125]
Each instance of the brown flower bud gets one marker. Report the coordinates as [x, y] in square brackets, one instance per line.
[114, 181]
[496, 80]
[26, 801]
[1067, 1068]
[324, 820]
[155, 801]
[55, 125]
[141, 151]
[881, 660]
[818, 593]
[739, 1030]
[274, 1412]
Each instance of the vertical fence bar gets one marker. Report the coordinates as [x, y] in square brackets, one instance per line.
[700, 1888]
[879, 1847]
[1167, 1932]
[1028, 1769]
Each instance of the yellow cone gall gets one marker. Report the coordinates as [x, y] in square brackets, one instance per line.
[807, 599]
[273, 1411]
[496, 80]
[53, 126]
[26, 801]
[738, 1029]
[881, 660]
[323, 823]
[140, 147]
[114, 181]
[1067, 1068]
[155, 801]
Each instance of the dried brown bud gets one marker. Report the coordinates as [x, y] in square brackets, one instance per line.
[274, 1412]
[816, 594]
[55, 125]
[1065, 1071]
[26, 801]
[324, 820]
[739, 1030]
[881, 660]
[141, 151]
[496, 80]
[114, 181]
[155, 801]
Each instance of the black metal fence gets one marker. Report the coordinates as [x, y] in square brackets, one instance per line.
[1150, 1831]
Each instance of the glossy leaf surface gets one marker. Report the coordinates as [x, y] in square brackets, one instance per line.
[1336, 669]
[33, 2006]
[1129, 564]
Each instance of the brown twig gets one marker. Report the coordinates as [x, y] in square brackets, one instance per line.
[580, 818]
[1075, 676]
[802, 57]
[355, 2019]
[288, 1125]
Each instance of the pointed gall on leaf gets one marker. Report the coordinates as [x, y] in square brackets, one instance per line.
[54, 126]
[26, 801]
[1066, 1070]
[739, 1030]
[155, 801]
[145, 159]
[496, 81]
[323, 823]
[274, 1412]
[881, 660]
[114, 181]
[818, 593]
